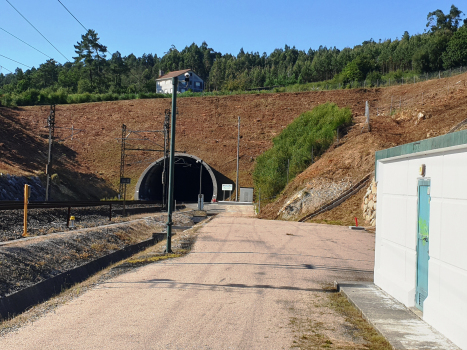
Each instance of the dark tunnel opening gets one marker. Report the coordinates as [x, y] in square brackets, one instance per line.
[186, 180]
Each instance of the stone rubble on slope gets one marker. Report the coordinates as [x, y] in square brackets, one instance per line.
[313, 196]
[369, 204]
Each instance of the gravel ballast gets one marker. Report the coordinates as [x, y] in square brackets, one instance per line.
[29, 261]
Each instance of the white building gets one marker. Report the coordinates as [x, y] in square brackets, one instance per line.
[421, 235]
[164, 82]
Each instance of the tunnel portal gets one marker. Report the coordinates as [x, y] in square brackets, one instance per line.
[186, 180]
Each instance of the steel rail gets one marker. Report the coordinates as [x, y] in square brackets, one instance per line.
[13, 205]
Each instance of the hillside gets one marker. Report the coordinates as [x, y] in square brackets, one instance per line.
[23, 152]
[444, 105]
[207, 127]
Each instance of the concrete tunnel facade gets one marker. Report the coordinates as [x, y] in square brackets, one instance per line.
[186, 180]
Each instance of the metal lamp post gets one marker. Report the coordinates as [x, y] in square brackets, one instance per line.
[200, 196]
[171, 165]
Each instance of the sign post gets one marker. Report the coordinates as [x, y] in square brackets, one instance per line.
[227, 187]
[125, 181]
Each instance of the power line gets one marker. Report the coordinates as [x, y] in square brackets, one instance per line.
[6, 69]
[73, 16]
[25, 43]
[87, 30]
[37, 30]
[15, 61]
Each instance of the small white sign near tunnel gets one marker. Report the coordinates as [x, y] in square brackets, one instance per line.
[227, 187]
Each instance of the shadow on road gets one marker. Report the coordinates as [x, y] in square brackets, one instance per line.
[167, 283]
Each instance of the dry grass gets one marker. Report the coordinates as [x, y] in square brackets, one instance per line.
[152, 254]
[328, 321]
[375, 341]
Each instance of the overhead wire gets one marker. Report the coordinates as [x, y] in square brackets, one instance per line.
[8, 58]
[87, 30]
[1, 67]
[26, 43]
[37, 30]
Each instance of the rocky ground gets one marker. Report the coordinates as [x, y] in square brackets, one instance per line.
[312, 197]
[45, 221]
[369, 203]
[12, 188]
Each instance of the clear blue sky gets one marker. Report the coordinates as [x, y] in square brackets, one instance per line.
[139, 26]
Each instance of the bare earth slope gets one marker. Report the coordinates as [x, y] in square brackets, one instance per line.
[24, 152]
[207, 127]
[444, 105]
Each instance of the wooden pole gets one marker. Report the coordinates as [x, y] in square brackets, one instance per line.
[25, 222]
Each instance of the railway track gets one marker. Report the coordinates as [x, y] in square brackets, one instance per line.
[48, 217]
[12, 205]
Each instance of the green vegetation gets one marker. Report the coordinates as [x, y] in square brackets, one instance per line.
[293, 147]
[93, 77]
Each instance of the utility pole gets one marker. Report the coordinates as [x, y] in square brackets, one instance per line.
[165, 172]
[48, 170]
[171, 165]
[122, 161]
[238, 150]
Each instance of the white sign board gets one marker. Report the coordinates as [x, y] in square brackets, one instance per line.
[227, 187]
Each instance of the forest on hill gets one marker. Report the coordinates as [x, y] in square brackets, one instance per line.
[442, 45]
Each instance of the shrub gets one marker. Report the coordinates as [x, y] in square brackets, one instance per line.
[315, 128]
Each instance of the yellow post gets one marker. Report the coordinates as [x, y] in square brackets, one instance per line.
[26, 199]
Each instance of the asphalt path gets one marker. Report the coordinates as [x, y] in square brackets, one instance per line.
[233, 291]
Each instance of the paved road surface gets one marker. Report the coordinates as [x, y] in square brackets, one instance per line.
[233, 291]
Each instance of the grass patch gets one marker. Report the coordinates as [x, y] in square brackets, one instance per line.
[148, 260]
[311, 133]
[329, 321]
[376, 341]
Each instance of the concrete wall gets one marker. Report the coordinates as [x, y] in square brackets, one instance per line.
[396, 235]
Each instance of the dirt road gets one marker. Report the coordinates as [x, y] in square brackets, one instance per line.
[241, 287]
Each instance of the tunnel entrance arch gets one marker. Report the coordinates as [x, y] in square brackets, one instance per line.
[186, 180]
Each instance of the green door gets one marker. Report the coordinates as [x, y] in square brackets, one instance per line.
[423, 242]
